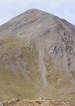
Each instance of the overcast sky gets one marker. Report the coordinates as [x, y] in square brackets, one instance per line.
[62, 8]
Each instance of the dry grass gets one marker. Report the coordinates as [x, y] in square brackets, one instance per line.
[40, 103]
[12, 82]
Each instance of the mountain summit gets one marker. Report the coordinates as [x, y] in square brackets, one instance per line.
[37, 57]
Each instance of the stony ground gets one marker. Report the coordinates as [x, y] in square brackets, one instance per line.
[39, 103]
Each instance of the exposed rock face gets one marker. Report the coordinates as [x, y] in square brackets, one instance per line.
[38, 48]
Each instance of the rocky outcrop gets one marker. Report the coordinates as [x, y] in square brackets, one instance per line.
[10, 102]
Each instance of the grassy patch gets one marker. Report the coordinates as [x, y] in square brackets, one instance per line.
[13, 51]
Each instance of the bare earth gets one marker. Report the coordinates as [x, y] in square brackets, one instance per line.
[39, 103]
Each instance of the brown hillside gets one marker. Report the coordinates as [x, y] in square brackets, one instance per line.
[37, 57]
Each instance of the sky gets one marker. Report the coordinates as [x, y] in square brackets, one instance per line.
[62, 8]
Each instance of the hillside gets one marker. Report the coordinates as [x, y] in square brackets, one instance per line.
[37, 57]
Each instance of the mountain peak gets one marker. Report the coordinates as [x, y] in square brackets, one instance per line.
[37, 53]
[28, 18]
[37, 11]
[34, 10]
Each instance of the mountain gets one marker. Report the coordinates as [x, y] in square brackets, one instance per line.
[37, 57]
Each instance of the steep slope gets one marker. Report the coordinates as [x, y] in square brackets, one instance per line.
[37, 57]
